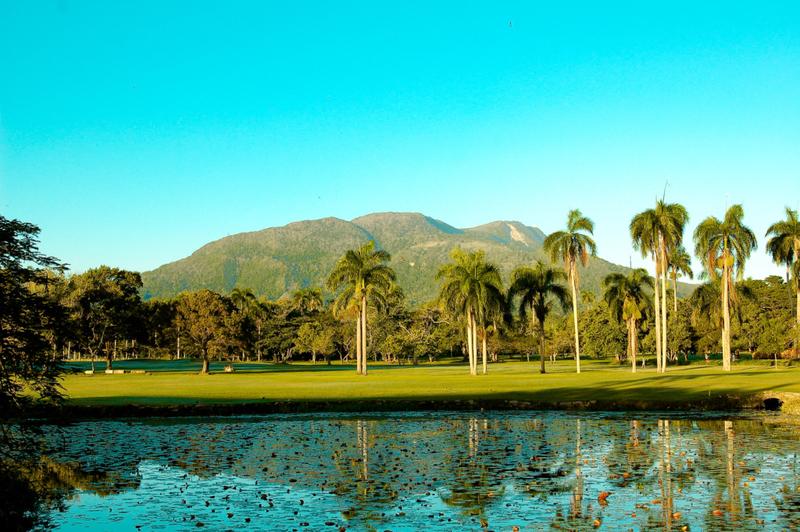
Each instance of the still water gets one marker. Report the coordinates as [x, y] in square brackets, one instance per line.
[431, 471]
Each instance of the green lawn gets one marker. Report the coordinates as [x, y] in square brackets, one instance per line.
[178, 383]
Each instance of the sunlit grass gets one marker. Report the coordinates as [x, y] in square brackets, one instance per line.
[178, 383]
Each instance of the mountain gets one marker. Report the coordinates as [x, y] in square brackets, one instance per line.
[276, 261]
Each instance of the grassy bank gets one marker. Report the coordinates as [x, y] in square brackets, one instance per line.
[177, 383]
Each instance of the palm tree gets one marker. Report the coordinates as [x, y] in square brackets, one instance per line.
[657, 231]
[587, 297]
[723, 246]
[472, 288]
[628, 300]
[706, 303]
[681, 263]
[367, 280]
[242, 297]
[307, 299]
[572, 246]
[784, 248]
[538, 287]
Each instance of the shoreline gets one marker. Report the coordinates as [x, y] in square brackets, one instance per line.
[784, 402]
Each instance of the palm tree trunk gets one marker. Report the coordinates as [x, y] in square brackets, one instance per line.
[726, 320]
[469, 339]
[485, 370]
[635, 346]
[575, 322]
[358, 342]
[541, 346]
[657, 291]
[664, 309]
[797, 297]
[675, 288]
[632, 343]
[474, 345]
[364, 336]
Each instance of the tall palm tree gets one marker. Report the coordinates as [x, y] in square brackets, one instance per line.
[723, 246]
[367, 279]
[472, 288]
[681, 264]
[656, 231]
[572, 246]
[784, 248]
[538, 287]
[628, 300]
[307, 299]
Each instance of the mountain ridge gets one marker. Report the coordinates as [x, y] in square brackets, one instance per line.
[275, 261]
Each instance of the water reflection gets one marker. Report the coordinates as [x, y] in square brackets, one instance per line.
[431, 471]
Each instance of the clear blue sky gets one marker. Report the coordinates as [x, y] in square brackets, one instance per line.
[134, 133]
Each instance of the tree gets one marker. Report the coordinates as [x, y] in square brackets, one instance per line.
[26, 363]
[472, 288]
[681, 264]
[306, 336]
[30, 320]
[307, 299]
[765, 318]
[106, 308]
[657, 231]
[628, 301]
[572, 246]
[204, 317]
[538, 288]
[587, 297]
[261, 309]
[723, 246]
[367, 280]
[784, 248]
[242, 298]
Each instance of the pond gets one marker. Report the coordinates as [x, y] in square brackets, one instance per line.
[431, 471]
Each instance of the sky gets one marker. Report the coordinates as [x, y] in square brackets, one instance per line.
[134, 133]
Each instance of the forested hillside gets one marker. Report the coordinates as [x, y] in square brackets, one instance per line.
[276, 261]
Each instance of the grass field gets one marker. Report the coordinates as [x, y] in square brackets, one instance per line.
[177, 382]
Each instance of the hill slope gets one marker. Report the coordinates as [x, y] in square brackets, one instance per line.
[276, 261]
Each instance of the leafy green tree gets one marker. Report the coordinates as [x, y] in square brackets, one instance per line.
[243, 299]
[106, 307]
[573, 247]
[307, 299]
[538, 288]
[204, 317]
[628, 300]
[723, 246]
[32, 321]
[312, 337]
[261, 310]
[765, 325]
[682, 334]
[656, 232]
[162, 332]
[280, 330]
[367, 280]
[784, 248]
[472, 288]
[26, 362]
[602, 334]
